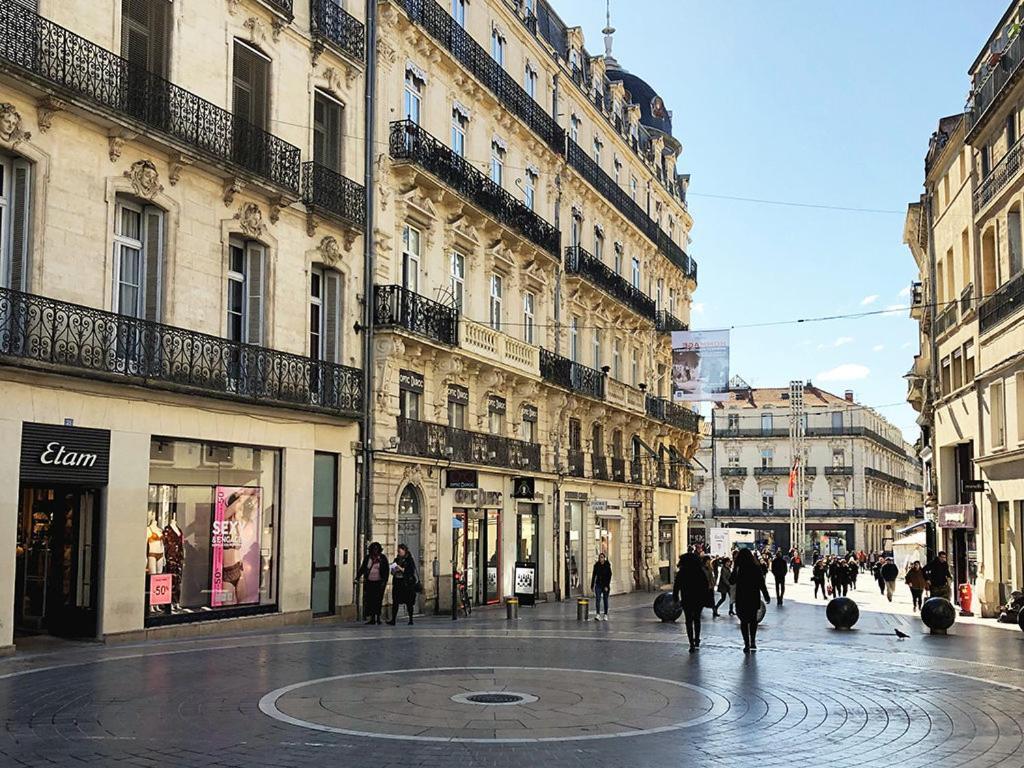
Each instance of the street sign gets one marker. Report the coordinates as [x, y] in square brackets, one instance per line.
[973, 486]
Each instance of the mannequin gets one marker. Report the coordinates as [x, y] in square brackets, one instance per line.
[154, 546]
[174, 556]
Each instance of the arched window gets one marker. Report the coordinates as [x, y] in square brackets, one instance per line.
[410, 522]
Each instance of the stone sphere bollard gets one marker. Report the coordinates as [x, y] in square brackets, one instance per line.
[667, 608]
[842, 612]
[938, 614]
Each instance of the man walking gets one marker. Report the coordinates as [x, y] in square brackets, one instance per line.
[796, 564]
[779, 571]
[938, 577]
[890, 572]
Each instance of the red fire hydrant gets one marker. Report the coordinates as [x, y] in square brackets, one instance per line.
[966, 596]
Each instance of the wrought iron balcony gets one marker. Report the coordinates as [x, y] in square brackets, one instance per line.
[439, 24]
[36, 331]
[1005, 302]
[573, 376]
[575, 463]
[997, 179]
[411, 143]
[284, 7]
[395, 306]
[331, 24]
[599, 467]
[608, 188]
[57, 59]
[967, 300]
[329, 193]
[618, 469]
[733, 471]
[946, 319]
[841, 471]
[671, 413]
[666, 322]
[588, 266]
[885, 477]
[439, 441]
[772, 471]
[1005, 68]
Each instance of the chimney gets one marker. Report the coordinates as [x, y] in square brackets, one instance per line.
[849, 395]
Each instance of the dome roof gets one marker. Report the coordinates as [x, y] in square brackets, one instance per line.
[653, 112]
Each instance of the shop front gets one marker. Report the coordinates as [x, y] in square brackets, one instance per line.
[526, 579]
[666, 549]
[576, 553]
[63, 475]
[477, 540]
[958, 522]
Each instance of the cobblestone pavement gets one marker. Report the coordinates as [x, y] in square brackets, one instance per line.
[620, 693]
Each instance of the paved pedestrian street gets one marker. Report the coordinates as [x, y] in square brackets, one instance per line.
[545, 690]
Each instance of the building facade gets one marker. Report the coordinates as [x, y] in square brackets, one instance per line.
[969, 253]
[184, 225]
[862, 480]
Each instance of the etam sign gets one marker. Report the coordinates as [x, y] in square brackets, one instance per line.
[64, 455]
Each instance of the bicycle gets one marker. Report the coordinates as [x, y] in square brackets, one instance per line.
[465, 603]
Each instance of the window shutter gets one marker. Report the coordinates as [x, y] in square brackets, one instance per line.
[144, 26]
[20, 226]
[254, 268]
[154, 245]
[32, 5]
[250, 85]
[332, 316]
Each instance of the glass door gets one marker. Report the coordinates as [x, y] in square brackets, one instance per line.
[490, 551]
[322, 592]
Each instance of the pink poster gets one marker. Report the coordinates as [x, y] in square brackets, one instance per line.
[160, 589]
[235, 543]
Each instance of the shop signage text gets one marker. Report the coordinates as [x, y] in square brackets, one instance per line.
[956, 516]
[465, 497]
[462, 478]
[411, 381]
[523, 488]
[57, 454]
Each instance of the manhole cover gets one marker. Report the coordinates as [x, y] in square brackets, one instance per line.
[494, 698]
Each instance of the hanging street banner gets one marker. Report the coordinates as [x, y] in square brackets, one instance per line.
[700, 365]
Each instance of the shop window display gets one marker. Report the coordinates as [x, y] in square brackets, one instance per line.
[210, 538]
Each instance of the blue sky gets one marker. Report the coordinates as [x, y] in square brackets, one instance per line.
[811, 101]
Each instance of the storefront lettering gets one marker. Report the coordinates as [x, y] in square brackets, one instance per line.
[57, 455]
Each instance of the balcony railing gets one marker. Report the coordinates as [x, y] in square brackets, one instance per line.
[988, 93]
[621, 201]
[284, 7]
[58, 59]
[328, 192]
[1006, 301]
[70, 338]
[499, 347]
[411, 143]
[773, 471]
[733, 471]
[333, 25]
[580, 262]
[599, 467]
[618, 469]
[671, 413]
[573, 376]
[885, 477]
[440, 25]
[439, 441]
[395, 306]
[827, 512]
[947, 318]
[999, 176]
[666, 322]
[846, 471]
[967, 299]
[575, 463]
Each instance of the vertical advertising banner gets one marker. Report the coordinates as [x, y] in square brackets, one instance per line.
[700, 365]
[235, 543]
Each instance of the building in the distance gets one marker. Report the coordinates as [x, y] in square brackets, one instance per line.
[862, 479]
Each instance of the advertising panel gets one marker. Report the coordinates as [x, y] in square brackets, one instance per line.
[235, 543]
[700, 365]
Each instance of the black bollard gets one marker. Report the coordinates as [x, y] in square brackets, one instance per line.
[842, 612]
[938, 614]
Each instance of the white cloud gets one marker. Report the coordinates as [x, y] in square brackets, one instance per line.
[697, 308]
[906, 345]
[905, 292]
[878, 347]
[844, 372]
[869, 299]
[842, 340]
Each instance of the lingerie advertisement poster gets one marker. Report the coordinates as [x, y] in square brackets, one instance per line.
[235, 545]
[700, 365]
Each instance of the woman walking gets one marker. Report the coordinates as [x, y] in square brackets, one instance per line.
[818, 577]
[403, 584]
[374, 571]
[601, 583]
[750, 586]
[724, 588]
[917, 583]
[691, 588]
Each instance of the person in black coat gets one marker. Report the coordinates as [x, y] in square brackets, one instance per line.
[403, 583]
[601, 583]
[748, 578]
[691, 588]
[818, 573]
[374, 572]
[779, 571]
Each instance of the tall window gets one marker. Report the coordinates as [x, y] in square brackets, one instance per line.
[636, 272]
[837, 419]
[530, 190]
[138, 259]
[998, 414]
[734, 499]
[145, 27]
[459, 122]
[250, 85]
[457, 274]
[734, 421]
[497, 163]
[325, 315]
[617, 358]
[767, 500]
[598, 244]
[597, 349]
[617, 264]
[632, 188]
[575, 435]
[412, 98]
[246, 266]
[327, 131]
[597, 440]
[838, 457]
[1020, 411]
[659, 292]
[530, 81]
[969, 373]
[767, 457]
[597, 150]
[411, 258]
[459, 12]
[766, 423]
[498, 47]
[15, 193]
[618, 171]
[528, 317]
[574, 128]
[635, 366]
[1014, 232]
[496, 295]
[574, 339]
[456, 413]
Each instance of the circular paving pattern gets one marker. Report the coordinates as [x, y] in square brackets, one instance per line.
[549, 704]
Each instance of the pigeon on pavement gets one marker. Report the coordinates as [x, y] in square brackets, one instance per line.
[902, 635]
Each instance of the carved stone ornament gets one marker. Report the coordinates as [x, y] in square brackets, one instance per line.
[250, 220]
[330, 251]
[46, 109]
[11, 125]
[145, 179]
[386, 52]
[257, 29]
[177, 165]
[233, 6]
[115, 144]
[231, 188]
[416, 71]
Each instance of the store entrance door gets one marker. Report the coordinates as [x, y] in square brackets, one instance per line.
[57, 563]
[477, 548]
